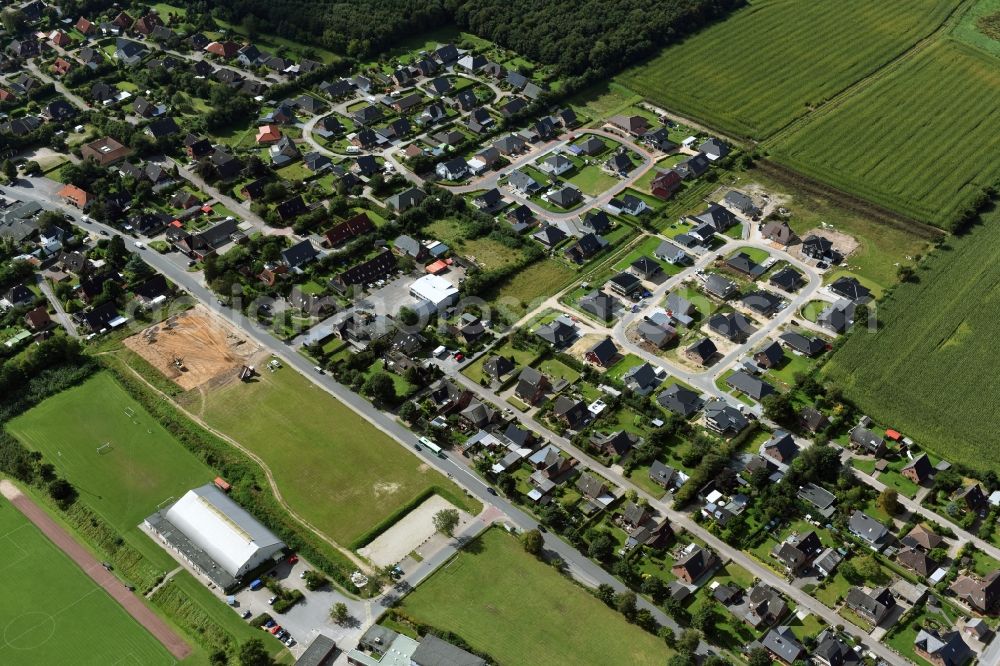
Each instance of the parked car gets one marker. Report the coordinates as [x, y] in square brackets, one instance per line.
[245, 615]
[270, 602]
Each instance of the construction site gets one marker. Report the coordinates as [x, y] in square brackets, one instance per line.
[194, 347]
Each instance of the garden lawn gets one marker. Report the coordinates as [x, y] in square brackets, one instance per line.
[947, 92]
[333, 468]
[144, 467]
[592, 180]
[512, 616]
[50, 605]
[734, 75]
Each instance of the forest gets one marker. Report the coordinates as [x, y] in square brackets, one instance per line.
[584, 39]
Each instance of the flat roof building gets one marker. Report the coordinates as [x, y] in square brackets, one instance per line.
[435, 290]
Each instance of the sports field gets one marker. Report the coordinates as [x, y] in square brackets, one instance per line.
[765, 65]
[143, 467]
[927, 372]
[333, 468]
[921, 140]
[503, 601]
[52, 613]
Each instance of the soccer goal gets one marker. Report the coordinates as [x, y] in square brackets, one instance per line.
[129, 412]
[104, 448]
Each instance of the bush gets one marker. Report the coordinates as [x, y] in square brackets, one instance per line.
[288, 599]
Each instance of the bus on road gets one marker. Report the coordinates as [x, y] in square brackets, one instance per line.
[434, 448]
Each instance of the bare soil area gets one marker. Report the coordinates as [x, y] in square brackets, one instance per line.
[193, 347]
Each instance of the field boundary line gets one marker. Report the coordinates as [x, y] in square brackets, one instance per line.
[354, 559]
[62, 540]
[864, 82]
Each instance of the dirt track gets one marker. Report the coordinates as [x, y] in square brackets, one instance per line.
[114, 587]
[205, 346]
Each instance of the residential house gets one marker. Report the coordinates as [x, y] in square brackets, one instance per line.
[787, 279]
[624, 284]
[802, 344]
[572, 413]
[723, 419]
[659, 139]
[770, 356]
[694, 563]
[812, 419]
[604, 353]
[634, 125]
[820, 249]
[619, 164]
[489, 200]
[762, 302]
[732, 325]
[718, 286]
[714, 149]
[919, 469]
[917, 560]
[869, 530]
[511, 144]
[981, 594]
[617, 443]
[585, 247]
[778, 231]
[549, 235]
[662, 475]
[454, 169]
[671, 254]
[741, 202]
[665, 184]
[38, 319]
[782, 644]
[874, 606]
[867, 441]
[765, 607]
[292, 208]
[367, 272]
[349, 229]
[566, 196]
[781, 446]
[558, 333]
[642, 379]
[532, 385]
[851, 289]
[299, 254]
[105, 152]
[798, 551]
[656, 332]
[692, 167]
[406, 199]
[555, 165]
[646, 268]
[942, 649]
[702, 351]
[749, 385]
[497, 366]
[679, 400]
[75, 196]
[922, 538]
[973, 498]
[742, 263]
[827, 561]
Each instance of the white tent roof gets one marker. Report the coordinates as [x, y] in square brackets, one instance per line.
[220, 527]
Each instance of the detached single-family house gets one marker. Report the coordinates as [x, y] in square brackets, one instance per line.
[869, 530]
[694, 563]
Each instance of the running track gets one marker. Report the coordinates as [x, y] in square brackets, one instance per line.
[131, 603]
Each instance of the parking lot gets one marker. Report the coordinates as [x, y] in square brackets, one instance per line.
[305, 619]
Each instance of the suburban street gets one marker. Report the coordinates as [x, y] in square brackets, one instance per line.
[579, 565]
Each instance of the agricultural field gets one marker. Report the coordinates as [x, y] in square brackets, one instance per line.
[143, 466]
[333, 468]
[515, 626]
[44, 614]
[947, 95]
[734, 75]
[917, 372]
